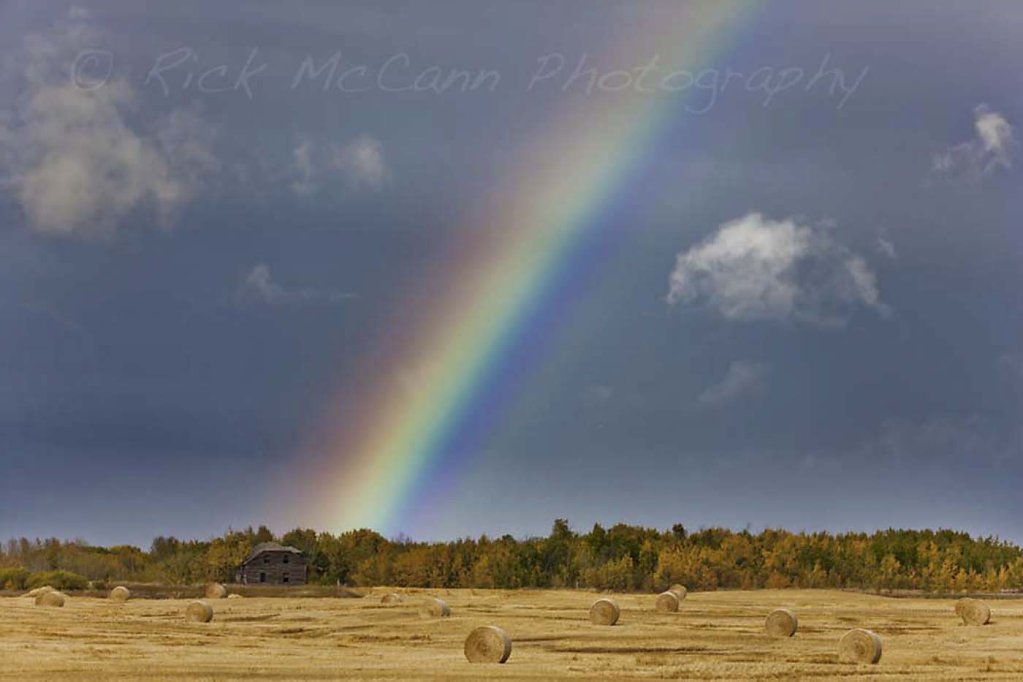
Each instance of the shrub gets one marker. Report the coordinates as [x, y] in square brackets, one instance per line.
[13, 578]
[58, 580]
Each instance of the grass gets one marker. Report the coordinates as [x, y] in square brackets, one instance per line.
[714, 636]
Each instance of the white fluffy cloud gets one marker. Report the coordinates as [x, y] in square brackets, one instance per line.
[71, 160]
[990, 149]
[259, 287]
[756, 268]
[741, 379]
[361, 163]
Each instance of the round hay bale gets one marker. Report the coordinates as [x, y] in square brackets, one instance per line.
[120, 593]
[216, 591]
[604, 612]
[38, 591]
[434, 608]
[199, 612]
[973, 611]
[667, 602]
[860, 646]
[488, 644]
[392, 598]
[51, 598]
[781, 623]
[234, 596]
[679, 590]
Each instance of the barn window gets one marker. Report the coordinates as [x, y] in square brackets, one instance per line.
[266, 558]
[286, 558]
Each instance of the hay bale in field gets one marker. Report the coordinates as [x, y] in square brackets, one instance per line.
[781, 623]
[860, 646]
[604, 612]
[120, 593]
[973, 611]
[38, 591]
[679, 590]
[667, 602]
[234, 596]
[216, 591]
[488, 644]
[434, 608]
[392, 598]
[199, 612]
[51, 598]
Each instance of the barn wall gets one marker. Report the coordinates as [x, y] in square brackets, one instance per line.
[273, 565]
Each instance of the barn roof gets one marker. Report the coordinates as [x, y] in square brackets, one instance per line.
[269, 547]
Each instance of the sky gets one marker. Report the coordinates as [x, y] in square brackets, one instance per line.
[456, 268]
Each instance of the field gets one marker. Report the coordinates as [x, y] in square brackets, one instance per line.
[714, 636]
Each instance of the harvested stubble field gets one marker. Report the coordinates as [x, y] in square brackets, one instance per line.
[714, 635]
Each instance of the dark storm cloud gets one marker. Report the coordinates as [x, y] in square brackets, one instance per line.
[193, 310]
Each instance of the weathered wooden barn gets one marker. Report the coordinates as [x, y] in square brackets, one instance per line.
[271, 563]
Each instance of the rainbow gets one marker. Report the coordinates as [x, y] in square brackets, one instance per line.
[451, 357]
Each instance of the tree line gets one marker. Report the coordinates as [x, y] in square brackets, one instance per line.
[620, 558]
